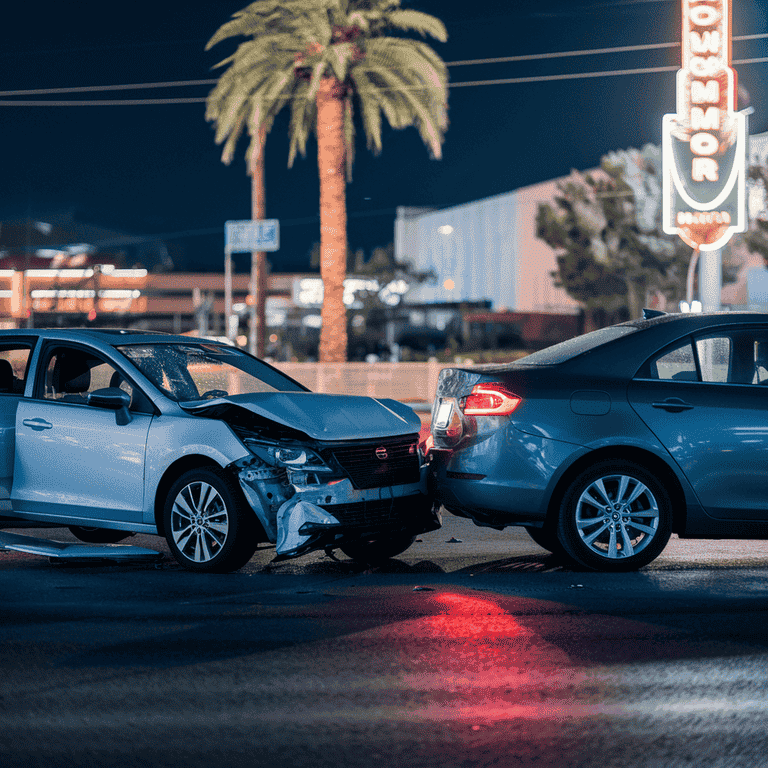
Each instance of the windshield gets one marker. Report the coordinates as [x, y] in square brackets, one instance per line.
[200, 371]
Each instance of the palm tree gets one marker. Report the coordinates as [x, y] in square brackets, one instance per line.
[321, 57]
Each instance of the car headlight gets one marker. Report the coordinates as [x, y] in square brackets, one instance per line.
[290, 457]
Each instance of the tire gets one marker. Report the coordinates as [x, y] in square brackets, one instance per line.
[98, 535]
[546, 538]
[373, 551]
[208, 524]
[615, 516]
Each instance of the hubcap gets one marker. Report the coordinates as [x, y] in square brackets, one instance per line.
[199, 522]
[617, 516]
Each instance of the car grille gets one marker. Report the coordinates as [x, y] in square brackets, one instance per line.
[362, 514]
[381, 463]
[376, 514]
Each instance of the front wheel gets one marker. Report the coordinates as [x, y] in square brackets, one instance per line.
[98, 535]
[615, 516]
[208, 526]
[377, 550]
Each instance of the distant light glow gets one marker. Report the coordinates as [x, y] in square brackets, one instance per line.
[449, 285]
[446, 229]
[84, 293]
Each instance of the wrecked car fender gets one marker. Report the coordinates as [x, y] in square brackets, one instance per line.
[174, 439]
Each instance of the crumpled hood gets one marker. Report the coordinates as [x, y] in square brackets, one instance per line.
[320, 416]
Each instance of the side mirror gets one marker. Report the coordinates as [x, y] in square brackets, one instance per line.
[112, 399]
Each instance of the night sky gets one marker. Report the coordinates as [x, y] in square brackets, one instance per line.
[156, 169]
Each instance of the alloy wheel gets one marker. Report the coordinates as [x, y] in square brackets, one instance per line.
[617, 516]
[199, 521]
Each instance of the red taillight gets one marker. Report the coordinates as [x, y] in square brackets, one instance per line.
[490, 400]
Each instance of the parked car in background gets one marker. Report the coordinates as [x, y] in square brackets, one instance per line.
[604, 445]
[116, 432]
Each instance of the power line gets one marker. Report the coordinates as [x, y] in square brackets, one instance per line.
[587, 52]
[496, 60]
[96, 88]
[461, 84]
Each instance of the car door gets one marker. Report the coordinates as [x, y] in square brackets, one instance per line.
[73, 459]
[706, 400]
[14, 359]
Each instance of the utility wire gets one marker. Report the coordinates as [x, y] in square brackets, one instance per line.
[461, 84]
[496, 60]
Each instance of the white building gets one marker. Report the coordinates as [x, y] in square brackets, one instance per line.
[488, 249]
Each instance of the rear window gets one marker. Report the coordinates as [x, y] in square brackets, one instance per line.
[567, 350]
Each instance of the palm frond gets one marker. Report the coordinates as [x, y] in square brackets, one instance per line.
[251, 20]
[370, 113]
[416, 21]
[405, 105]
[303, 113]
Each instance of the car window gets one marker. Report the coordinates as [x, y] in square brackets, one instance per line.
[71, 374]
[13, 368]
[739, 356]
[676, 364]
[196, 371]
[714, 357]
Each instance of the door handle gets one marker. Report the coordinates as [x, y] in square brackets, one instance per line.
[673, 405]
[37, 424]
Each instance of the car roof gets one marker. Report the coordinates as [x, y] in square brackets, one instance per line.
[654, 334]
[699, 319]
[111, 336]
[621, 355]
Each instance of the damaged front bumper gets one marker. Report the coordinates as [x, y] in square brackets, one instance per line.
[301, 518]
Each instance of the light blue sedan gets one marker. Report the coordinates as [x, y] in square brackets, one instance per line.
[115, 432]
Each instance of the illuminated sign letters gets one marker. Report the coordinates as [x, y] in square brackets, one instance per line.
[704, 145]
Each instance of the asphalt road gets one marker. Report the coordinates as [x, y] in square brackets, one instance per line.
[474, 648]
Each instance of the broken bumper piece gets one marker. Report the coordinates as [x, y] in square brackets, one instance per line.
[300, 526]
[302, 518]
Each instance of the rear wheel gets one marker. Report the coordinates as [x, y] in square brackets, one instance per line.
[98, 535]
[615, 516]
[208, 525]
[377, 550]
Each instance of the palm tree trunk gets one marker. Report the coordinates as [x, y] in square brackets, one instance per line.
[333, 219]
[258, 283]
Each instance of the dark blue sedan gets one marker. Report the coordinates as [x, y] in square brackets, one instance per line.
[606, 444]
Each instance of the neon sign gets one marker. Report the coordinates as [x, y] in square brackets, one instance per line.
[704, 145]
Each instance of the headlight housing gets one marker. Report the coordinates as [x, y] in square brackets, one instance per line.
[296, 457]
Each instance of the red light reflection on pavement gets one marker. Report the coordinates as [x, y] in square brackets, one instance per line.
[475, 662]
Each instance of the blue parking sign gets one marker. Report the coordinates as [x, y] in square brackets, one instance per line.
[248, 235]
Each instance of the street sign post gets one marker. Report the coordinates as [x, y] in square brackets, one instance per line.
[256, 236]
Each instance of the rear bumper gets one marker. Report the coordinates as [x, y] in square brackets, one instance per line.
[504, 479]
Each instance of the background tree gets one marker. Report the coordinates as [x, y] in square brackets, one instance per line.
[756, 238]
[605, 228]
[321, 57]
